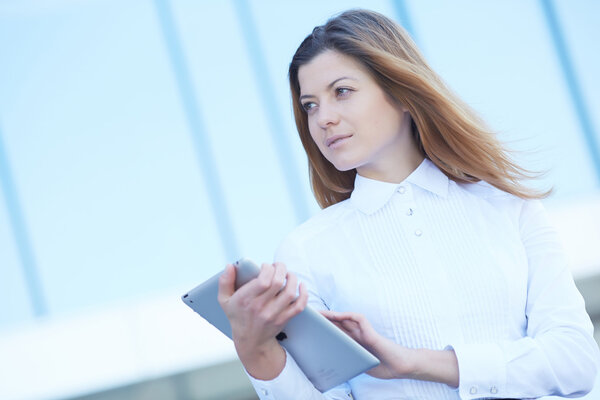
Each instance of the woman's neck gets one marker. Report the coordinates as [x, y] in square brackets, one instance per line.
[397, 170]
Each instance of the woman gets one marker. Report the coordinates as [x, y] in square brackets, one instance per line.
[429, 252]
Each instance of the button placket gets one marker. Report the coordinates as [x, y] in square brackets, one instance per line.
[405, 197]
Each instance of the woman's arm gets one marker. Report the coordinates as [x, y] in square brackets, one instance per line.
[556, 356]
[257, 312]
[398, 362]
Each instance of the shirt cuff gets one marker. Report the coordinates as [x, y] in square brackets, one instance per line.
[290, 380]
[482, 370]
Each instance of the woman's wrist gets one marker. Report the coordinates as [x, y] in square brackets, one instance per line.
[264, 362]
[433, 365]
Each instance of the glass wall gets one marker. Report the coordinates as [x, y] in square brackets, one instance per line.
[144, 144]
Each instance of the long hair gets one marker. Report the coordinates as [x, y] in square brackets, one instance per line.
[446, 129]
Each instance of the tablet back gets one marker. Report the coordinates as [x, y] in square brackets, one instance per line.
[326, 355]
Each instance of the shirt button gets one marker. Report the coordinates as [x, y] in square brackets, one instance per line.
[418, 232]
[473, 390]
[264, 392]
[409, 212]
[493, 390]
[401, 189]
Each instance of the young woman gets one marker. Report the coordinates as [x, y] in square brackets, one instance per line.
[429, 251]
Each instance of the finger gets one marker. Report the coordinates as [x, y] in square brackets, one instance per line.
[339, 325]
[288, 294]
[350, 325]
[279, 278]
[329, 314]
[295, 308]
[341, 321]
[337, 316]
[276, 303]
[348, 331]
[275, 284]
[258, 285]
[226, 284]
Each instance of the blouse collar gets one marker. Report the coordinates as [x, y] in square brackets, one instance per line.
[369, 195]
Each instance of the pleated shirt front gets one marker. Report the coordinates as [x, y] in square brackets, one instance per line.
[440, 265]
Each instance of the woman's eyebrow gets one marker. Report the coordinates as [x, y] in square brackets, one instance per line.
[328, 86]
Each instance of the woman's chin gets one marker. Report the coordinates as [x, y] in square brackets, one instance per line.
[343, 165]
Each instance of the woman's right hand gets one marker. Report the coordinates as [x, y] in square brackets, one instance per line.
[257, 312]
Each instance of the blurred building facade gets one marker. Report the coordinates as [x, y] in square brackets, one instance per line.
[144, 144]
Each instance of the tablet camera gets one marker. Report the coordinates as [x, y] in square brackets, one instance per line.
[281, 336]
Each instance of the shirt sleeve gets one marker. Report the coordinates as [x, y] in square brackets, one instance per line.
[291, 383]
[558, 356]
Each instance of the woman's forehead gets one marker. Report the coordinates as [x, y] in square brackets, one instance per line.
[325, 68]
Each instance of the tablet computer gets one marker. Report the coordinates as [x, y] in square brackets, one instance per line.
[326, 355]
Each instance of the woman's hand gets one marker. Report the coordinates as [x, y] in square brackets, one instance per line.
[398, 361]
[257, 312]
[394, 359]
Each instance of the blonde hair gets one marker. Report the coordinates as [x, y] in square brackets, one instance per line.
[446, 129]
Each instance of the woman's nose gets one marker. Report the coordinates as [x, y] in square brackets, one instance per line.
[327, 116]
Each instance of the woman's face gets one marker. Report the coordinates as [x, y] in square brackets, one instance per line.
[352, 120]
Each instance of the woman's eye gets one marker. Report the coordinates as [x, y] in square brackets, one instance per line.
[309, 105]
[342, 91]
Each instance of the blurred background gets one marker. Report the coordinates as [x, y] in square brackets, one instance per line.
[144, 144]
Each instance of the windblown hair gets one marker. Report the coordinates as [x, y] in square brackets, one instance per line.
[446, 129]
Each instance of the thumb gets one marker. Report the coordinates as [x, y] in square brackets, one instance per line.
[226, 284]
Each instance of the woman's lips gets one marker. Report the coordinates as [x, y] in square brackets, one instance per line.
[336, 141]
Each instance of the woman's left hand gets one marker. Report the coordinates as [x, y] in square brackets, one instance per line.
[395, 360]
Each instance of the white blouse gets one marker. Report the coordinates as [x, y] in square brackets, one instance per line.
[436, 264]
